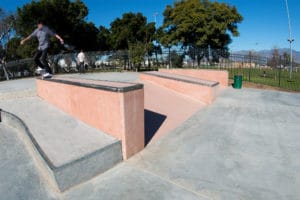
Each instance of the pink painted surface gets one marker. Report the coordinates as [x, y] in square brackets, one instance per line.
[133, 121]
[176, 107]
[210, 75]
[112, 112]
[195, 91]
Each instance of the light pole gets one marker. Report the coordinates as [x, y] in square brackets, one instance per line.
[155, 17]
[290, 40]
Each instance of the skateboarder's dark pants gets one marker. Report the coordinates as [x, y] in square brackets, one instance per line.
[40, 58]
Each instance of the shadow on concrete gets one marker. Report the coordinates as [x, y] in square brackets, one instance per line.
[153, 122]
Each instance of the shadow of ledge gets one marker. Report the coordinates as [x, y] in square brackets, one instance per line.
[153, 121]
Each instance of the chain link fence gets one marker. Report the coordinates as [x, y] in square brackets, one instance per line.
[252, 67]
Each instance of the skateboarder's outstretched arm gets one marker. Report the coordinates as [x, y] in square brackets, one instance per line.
[29, 37]
[24, 40]
[59, 38]
[46, 30]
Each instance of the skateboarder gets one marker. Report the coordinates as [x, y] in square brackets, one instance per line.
[42, 33]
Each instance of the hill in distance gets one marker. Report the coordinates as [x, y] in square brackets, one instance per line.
[268, 53]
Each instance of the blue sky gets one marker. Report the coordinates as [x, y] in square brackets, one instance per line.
[264, 25]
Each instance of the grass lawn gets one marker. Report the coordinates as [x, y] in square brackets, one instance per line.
[276, 78]
[271, 77]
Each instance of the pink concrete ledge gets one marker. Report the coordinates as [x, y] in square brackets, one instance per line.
[201, 90]
[113, 107]
[204, 74]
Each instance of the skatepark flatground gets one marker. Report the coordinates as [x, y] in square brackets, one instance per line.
[245, 145]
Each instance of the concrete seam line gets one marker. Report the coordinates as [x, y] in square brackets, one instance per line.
[169, 181]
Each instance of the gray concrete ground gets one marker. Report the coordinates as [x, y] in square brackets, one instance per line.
[20, 177]
[243, 146]
[17, 85]
[17, 88]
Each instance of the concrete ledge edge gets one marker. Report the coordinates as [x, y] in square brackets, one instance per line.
[135, 86]
[213, 84]
[87, 156]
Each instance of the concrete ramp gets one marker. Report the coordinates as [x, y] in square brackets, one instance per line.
[73, 152]
[165, 110]
[195, 88]
[220, 76]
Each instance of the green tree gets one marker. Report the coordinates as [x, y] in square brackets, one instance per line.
[200, 24]
[157, 50]
[133, 33]
[2, 52]
[176, 59]
[197, 54]
[104, 39]
[12, 50]
[148, 40]
[137, 53]
[86, 36]
[130, 29]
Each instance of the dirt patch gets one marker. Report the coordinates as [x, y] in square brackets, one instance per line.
[261, 86]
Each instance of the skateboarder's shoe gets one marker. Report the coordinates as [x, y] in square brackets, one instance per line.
[47, 75]
[39, 70]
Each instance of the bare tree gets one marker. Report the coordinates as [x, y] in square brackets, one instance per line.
[286, 58]
[7, 21]
[274, 62]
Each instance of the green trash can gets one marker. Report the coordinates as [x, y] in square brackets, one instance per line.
[238, 81]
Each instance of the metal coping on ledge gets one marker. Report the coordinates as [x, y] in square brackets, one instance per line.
[213, 84]
[135, 86]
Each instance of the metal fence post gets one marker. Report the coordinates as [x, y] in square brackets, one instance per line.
[279, 74]
[249, 73]
[5, 72]
[169, 66]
